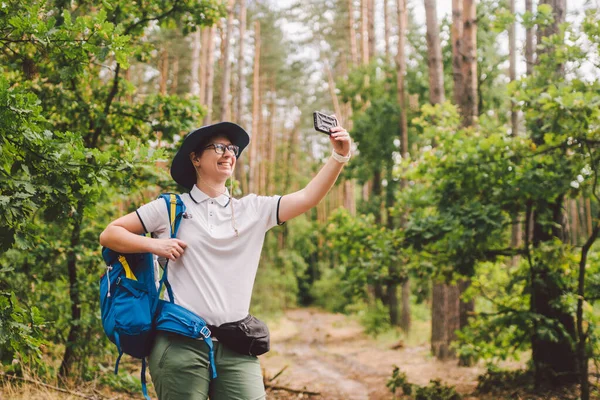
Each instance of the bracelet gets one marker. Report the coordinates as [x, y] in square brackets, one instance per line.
[340, 158]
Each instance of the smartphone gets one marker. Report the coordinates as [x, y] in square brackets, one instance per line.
[323, 122]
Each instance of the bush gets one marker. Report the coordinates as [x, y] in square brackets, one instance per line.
[399, 380]
[495, 380]
[436, 391]
[375, 318]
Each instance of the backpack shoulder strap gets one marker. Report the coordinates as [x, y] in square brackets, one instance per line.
[175, 208]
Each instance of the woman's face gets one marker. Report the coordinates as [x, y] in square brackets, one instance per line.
[212, 165]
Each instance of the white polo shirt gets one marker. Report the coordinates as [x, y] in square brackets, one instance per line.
[215, 275]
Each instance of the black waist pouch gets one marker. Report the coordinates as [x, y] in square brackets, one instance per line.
[249, 336]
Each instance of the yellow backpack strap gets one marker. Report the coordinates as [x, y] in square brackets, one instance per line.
[173, 212]
[128, 272]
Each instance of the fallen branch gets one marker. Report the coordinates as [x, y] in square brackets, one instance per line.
[84, 396]
[291, 390]
[277, 374]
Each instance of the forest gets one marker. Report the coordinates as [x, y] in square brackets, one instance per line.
[462, 233]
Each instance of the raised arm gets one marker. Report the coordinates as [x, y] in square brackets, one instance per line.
[124, 235]
[294, 204]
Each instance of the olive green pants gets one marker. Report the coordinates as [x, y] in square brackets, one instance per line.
[179, 369]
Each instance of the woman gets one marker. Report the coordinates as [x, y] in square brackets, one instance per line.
[215, 256]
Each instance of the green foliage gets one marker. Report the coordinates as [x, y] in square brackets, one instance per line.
[122, 382]
[74, 135]
[20, 330]
[399, 380]
[496, 380]
[436, 391]
[365, 252]
[374, 318]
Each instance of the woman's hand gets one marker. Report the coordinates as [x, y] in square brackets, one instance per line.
[340, 140]
[170, 249]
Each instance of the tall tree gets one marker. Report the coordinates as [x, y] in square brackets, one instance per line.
[352, 33]
[364, 30]
[445, 297]
[240, 171]
[371, 32]
[195, 67]
[554, 360]
[434, 54]
[254, 143]
[241, 81]
[529, 37]
[226, 78]
[404, 321]
[210, 73]
[469, 104]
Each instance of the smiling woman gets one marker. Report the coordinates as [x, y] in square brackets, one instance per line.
[214, 260]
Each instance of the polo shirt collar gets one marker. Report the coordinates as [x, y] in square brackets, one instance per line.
[198, 196]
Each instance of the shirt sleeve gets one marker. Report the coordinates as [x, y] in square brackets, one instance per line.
[267, 208]
[154, 217]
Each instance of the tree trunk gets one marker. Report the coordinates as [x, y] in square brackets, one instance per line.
[175, 74]
[401, 93]
[470, 104]
[336, 104]
[272, 145]
[255, 110]
[75, 326]
[386, 29]
[210, 74]
[434, 54]
[203, 64]
[529, 34]
[164, 72]
[364, 29]
[457, 52]
[554, 361]
[352, 33]
[240, 64]
[195, 64]
[512, 69]
[225, 81]
[371, 17]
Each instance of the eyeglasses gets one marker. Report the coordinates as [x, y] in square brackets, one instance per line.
[220, 148]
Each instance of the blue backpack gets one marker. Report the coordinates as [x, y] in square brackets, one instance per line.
[130, 303]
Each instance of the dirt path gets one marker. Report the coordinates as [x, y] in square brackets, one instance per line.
[330, 354]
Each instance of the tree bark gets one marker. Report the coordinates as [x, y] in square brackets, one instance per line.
[210, 74]
[226, 79]
[75, 326]
[371, 16]
[386, 30]
[164, 71]
[457, 52]
[253, 161]
[529, 35]
[512, 69]
[401, 93]
[195, 65]
[470, 104]
[203, 64]
[352, 33]
[240, 64]
[364, 29]
[434, 54]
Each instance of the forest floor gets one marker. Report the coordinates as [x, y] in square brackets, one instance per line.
[318, 355]
[330, 354]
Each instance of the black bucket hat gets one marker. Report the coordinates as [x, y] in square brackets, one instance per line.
[182, 169]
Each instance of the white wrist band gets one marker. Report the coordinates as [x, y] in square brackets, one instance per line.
[340, 158]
